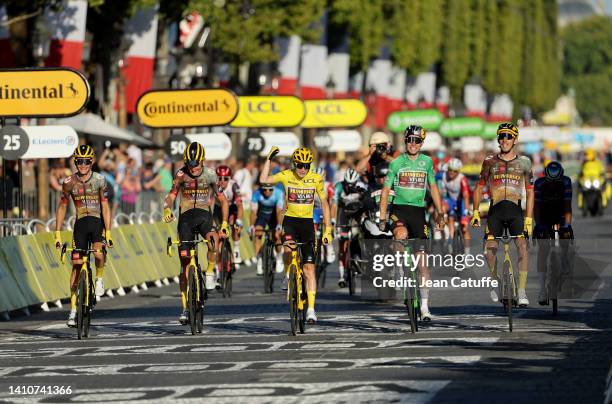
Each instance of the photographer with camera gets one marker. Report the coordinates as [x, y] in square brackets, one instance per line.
[381, 152]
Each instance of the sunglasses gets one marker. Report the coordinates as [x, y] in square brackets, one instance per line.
[414, 139]
[505, 136]
[267, 189]
[83, 162]
[193, 163]
[224, 178]
[299, 166]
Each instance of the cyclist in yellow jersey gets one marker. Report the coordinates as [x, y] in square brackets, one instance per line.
[300, 185]
[592, 172]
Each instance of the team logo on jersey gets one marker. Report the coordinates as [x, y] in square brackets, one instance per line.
[300, 196]
[309, 181]
[421, 163]
[412, 179]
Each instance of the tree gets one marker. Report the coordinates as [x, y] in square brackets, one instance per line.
[456, 46]
[404, 24]
[492, 48]
[429, 37]
[478, 38]
[364, 22]
[511, 46]
[587, 52]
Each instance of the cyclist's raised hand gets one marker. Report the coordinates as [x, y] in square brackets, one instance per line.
[58, 239]
[109, 239]
[273, 152]
[475, 222]
[168, 215]
[225, 231]
[327, 236]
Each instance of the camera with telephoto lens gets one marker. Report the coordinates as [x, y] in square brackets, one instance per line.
[381, 148]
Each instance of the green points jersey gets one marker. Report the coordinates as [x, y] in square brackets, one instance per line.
[409, 179]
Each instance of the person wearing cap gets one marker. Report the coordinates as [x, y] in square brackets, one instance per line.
[381, 152]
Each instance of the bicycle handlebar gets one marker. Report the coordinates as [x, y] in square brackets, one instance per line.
[66, 249]
[170, 242]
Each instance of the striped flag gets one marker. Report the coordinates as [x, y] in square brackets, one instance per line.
[475, 100]
[141, 30]
[396, 90]
[288, 66]
[378, 83]
[313, 72]
[67, 28]
[338, 60]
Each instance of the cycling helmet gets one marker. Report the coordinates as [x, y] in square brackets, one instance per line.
[320, 171]
[414, 130]
[379, 138]
[194, 154]
[553, 171]
[508, 127]
[351, 176]
[589, 155]
[84, 151]
[224, 171]
[455, 164]
[302, 155]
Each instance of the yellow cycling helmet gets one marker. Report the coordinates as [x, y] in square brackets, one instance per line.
[589, 155]
[302, 155]
[84, 151]
[509, 128]
[194, 154]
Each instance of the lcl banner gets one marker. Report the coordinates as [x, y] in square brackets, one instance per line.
[283, 111]
[334, 113]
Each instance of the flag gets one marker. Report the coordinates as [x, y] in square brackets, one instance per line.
[377, 88]
[289, 49]
[475, 100]
[141, 30]
[67, 29]
[313, 71]
[396, 90]
[338, 63]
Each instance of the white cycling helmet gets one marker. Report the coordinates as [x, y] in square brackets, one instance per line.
[351, 176]
[379, 138]
[455, 164]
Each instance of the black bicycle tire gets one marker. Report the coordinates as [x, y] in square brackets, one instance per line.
[293, 303]
[509, 293]
[81, 291]
[200, 310]
[412, 315]
[302, 316]
[349, 270]
[192, 300]
[268, 260]
[88, 308]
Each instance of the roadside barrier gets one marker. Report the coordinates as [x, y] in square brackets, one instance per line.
[31, 273]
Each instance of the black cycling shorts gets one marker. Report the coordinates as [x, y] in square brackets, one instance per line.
[300, 230]
[264, 220]
[413, 218]
[505, 214]
[231, 217]
[191, 223]
[87, 230]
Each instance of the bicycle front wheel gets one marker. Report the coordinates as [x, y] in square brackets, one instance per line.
[192, 300]
[293, 300]
[226, 264]
[509, 292]
[81, 304]
[200, 307]
[302, 313]
[88, 307]
[268, 266]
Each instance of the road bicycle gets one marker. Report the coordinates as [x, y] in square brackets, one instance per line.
[227, 268]
[411, 292]
[196, 292]
[320, 258]
[296, 288]
[558, 263]
[268, 260]
[508, 286]
[86, 298]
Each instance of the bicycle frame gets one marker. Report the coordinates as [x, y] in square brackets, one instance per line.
[508, 281]
[295, 273]
[411, 293]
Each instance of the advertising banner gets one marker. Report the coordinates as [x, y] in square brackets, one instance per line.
[458, 127]
[429, 119]
[283, 111]
[334, 113]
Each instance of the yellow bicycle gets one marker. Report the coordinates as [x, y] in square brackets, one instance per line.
[508, 282]
[196, 292]
[86, 298]
[296, 290]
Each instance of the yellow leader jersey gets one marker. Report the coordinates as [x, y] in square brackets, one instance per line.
[300, 193]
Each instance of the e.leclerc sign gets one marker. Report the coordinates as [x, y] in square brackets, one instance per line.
[187, 108]
[334, 113]
[283, 111]
[42, 92]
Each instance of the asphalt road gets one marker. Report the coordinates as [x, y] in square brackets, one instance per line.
[359, 351]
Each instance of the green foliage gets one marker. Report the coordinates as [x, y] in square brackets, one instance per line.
[364, 20]
[456, 46]
[478, 37]
[511, 43]
[492, 48]
[587, 51]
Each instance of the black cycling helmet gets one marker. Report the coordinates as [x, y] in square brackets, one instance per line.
[194, 154]
[414, 130]
[553, 171]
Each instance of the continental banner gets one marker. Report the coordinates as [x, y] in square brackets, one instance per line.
[186, 108]
[42, 92]
[283, 111]
[334, 113]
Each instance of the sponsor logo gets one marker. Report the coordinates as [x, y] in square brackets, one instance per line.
[60, 90]
[300, 196]
[412, 179]
[153, 109]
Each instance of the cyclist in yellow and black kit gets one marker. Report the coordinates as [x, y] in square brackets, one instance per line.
[197, 185]
[89, 192]
[300, 185]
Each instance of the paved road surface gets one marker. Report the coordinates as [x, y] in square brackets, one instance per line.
[359, 351]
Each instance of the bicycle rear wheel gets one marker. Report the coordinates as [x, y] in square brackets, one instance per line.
[81, 304]
[293, 300]
[302, 313]
[89, 307]
[350, 270]
[192, 301]
[226, 263]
